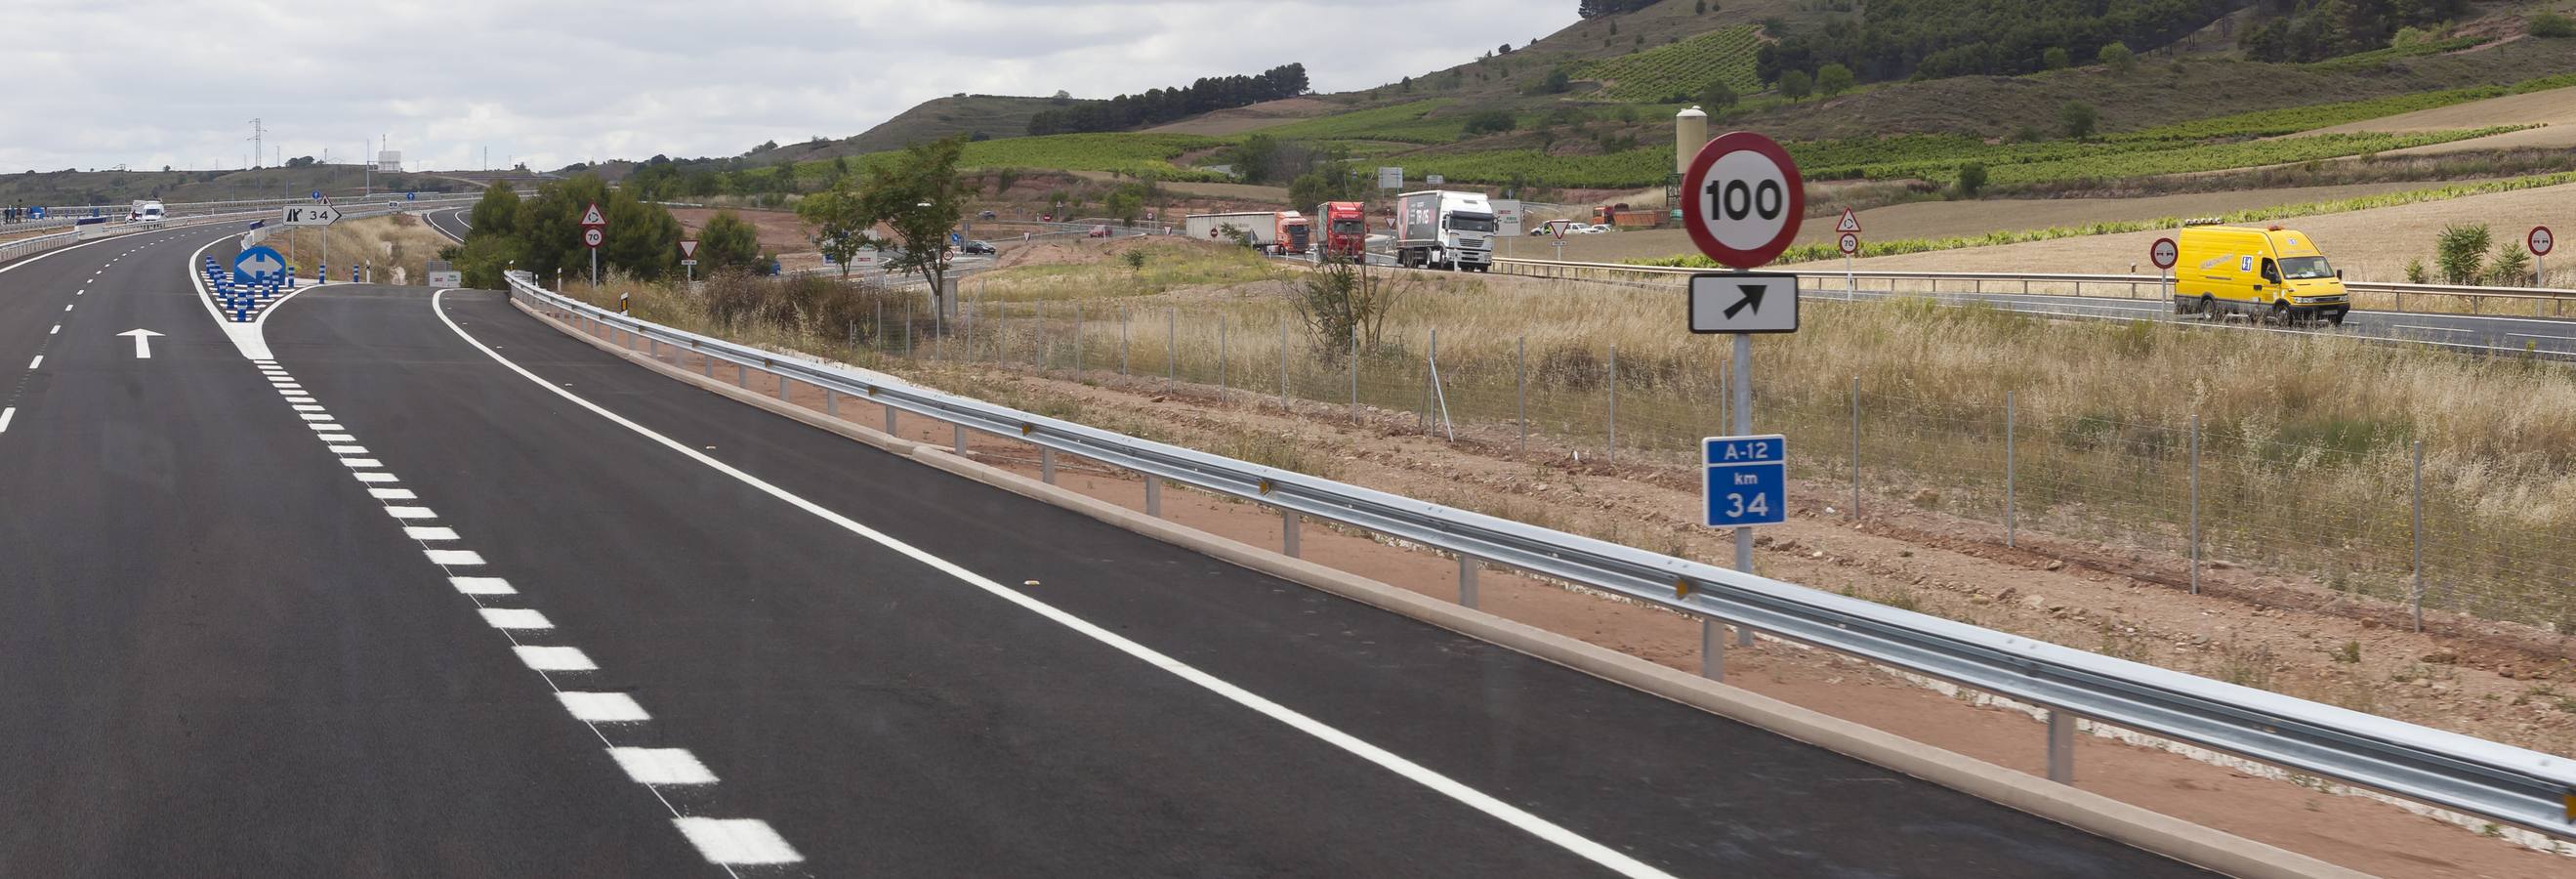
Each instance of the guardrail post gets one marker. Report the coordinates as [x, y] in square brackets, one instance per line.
[2061, 746]
[782, 385]
[1153, 495]
[707, 364]
[2009, 522]
[1712, 649]
[890, 425]
[1046, 465]
[1467, 565]
[741, 376]
[1288, 521]
[2195, 504]
[961, 438]
[2416, 583]
[831, 402]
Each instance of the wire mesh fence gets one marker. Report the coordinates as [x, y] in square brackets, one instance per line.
[2343, 516]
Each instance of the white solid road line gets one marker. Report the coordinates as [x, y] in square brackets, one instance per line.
[1515, 816]
[2432, 329]
[2539, 336]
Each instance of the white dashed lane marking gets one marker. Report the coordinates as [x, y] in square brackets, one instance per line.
[39, 361]
[5, 415]
[722, 841]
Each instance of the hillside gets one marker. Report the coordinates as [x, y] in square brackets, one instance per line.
[177, 187]
[992, 115]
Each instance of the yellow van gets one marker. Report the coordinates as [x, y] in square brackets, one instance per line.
[2271, 274]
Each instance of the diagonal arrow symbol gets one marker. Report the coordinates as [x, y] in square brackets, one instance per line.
[1752, 299]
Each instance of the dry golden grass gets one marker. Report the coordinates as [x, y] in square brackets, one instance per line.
[2306, 442]
[383, 243]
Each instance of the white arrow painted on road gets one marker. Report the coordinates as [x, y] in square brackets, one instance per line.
[142, 342]
[262, 265]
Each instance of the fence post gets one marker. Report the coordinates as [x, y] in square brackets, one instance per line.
[1220, 360]
[1614, 403]
[2417, 587]
[2195, 503]
[2009, 521]
[1355, 373]
[1077, 339]
[1171, 347]
[876, 331]
[1283, 364]
[1122, 340]
[1855, 450]
[1520, 386]
[907, 329]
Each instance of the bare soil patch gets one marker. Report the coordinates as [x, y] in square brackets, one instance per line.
[780, 231]
[1241, 119]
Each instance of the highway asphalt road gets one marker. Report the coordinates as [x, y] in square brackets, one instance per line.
[436, 590]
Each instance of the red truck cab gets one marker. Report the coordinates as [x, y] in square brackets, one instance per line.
[1345, 228]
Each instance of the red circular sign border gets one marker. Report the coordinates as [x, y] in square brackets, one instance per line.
[2537, 251]
[2151, 253]
[1855, 243]
[1697, 177]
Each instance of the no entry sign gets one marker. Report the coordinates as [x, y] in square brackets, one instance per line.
[1742, 199]
[2540, 240]
[2163, 253]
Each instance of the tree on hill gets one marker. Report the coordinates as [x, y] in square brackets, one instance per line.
[1833, 79]
[1598, 8]
[2118, 58]
[2317, 31]
[1795, 85]
[728, 243]
[2079, 118]
[1941, 38]
[1717, 95]
[920, 198]
[1160, 105]
[2055, 58]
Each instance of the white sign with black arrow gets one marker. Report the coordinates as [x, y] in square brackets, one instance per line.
[1744, 302]
[142, 342]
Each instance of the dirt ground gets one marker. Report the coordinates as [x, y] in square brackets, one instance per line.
[2554, 110]
[780, 231]
[2428, 679]
[1944, 219]
[2371, 245]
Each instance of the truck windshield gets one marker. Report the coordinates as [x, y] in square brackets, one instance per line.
[2300, 268]
[1346, 227]
[1466, 222]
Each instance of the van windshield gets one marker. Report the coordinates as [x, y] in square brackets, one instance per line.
[2301, 268]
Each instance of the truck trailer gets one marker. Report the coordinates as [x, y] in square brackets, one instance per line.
[1284, 232]
[1451, 230]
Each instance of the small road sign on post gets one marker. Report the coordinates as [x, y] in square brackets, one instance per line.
[1744, 480]
[1390, 178]
[593, 238]
[298, 215]
[1434, 180]
[594, 233]
[2164, 253]
[1849, 223]
[2540, 242]
[689, 260]
[1849, 243]
[1744, 302]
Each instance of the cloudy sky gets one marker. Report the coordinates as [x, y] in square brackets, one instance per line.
[146, 83]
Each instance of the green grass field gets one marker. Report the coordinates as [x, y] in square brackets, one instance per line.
[1680, 69]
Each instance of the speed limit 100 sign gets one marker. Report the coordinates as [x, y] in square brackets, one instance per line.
[1742, 199]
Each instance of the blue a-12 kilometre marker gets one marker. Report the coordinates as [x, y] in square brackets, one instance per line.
[1745, 480]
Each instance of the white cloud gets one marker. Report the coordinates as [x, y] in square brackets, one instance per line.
[152, 82]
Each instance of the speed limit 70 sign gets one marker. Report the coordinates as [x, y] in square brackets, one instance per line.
[1742, 199]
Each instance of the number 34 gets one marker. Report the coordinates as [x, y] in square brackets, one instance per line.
[1737, 506]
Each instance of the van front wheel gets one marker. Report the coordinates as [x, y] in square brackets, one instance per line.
[2208, 307]
[2281, 313]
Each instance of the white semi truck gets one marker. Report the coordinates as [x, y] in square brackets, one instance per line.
[1451, 230]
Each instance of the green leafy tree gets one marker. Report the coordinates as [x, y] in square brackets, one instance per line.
[1490, 122]
[2055, 58]
[728, 243]
[1126, 204]
[2118, 58]
[919, 196]
[1833, 79]
[2078, 119]
[1717, 96]
[643, 239]
[497, 212]
[1795, 85]
[838, 221]
[2511, 268]
[1972, 178]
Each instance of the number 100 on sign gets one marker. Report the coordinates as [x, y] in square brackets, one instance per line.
[1745, 480]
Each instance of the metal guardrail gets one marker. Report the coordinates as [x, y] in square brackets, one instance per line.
[14, 249]
[2547, 302]
[2498, 782]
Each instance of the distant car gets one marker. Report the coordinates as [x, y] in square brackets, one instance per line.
[1046, 218]
[1101, 231]
[1598, 228]
[989, 215]
[979, 247]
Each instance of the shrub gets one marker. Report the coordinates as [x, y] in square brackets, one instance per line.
[2055, 58]
[2079, 118]
[1717, 96]
[1972, 177]
[1796, 84]
[1490, 122]
[2461, 251]
[1833, 79]
[2415, 273]
[2550, 25]
[2118, 58]
[2511, 268]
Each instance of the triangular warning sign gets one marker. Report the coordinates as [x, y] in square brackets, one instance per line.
[1850, 223]
[591, 217]
[688, 250]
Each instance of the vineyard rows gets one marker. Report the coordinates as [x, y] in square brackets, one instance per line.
[1404, 122]
[1680, 70]
[1120, 152]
